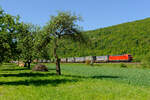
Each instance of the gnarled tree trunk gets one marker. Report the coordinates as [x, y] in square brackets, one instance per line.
[25, 64]
[58, 70]
[29, 64]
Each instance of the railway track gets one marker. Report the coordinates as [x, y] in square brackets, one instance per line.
[118, 63]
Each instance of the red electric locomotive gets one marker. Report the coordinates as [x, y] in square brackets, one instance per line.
[120, 58]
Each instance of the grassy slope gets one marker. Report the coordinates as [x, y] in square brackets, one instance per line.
[78, 82]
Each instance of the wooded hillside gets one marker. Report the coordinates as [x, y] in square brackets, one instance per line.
[132, 38]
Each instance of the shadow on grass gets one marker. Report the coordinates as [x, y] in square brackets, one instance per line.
[54, 74]
[19, 69]
[54, 82]
[51, 69]
[94, 77]
[27, 75]
[100, 77]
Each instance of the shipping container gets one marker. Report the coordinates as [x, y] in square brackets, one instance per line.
[101, 59]
[79, 59]
[71, 60]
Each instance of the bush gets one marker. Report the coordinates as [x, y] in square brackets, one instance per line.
[39, 67]
[123, 65]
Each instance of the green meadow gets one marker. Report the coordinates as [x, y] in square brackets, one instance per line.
[77, 82]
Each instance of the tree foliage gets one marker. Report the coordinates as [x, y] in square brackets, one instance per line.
[8, 30]
[26, 40]
[61, 28]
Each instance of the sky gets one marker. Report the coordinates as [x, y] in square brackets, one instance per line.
[95, 13]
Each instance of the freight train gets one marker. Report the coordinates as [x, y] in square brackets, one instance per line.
[98, 59]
